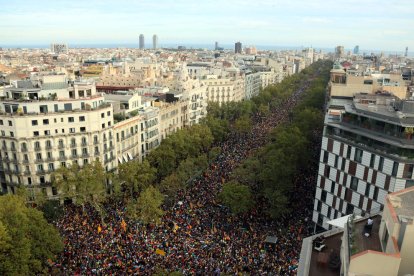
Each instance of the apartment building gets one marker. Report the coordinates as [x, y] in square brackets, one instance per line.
[49, 124]
[345, 83]
[252, 84]
[380, 244]
[224, 90]
[367, 152]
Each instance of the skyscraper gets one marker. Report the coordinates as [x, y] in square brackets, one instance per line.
[406, 52]
[155, 42]
[356, 50]
[238, 47]
[141, 41]
[339, 51]
[216, 46]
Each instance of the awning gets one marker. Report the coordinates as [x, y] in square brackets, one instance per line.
[120, 160]
[130, 156]
[340, 222]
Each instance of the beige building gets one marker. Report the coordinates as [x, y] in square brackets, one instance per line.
[56, 124]
[224, 90]
[347, 83]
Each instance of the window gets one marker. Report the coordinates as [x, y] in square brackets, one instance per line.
[102, 115]
[3, 133]
[40, 168]
[37, 145]
[332, 187]
[45, 121]
[81, 118]
[319, 206]
[409, 183]
[51, 167]
[48, 144]
[74, 153]
[95, 139]
[108, 113]
[83, 129]
[336, 161]
[71, 119]
[1, 122]
[10, 123]
[72, 130]
[84, 151]
[47, 132]
[24, 147]
[358, 155]
[381, 164]
[34, 122]
[372, 162]
[73, 142]
[354, 183]
[11, 134]
[49, 155]
[394, 169]
[35, 133]
[325, 157]
[63, 164]
[409, 172]
[38, 156]
[367, 188]
[103, 125]
[62, 153]
[348, 153]
[85, 161]
[349, 209]
[323, 196]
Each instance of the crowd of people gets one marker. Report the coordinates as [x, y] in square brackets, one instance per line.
[198, 236]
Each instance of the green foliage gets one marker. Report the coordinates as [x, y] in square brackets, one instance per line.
[27, 241]
[237, 197]
[147, 208]
[119, 117]
[243, 125]
[186, 143]
[52, 210]
[136, 176]
[219, 128]
[86, 184]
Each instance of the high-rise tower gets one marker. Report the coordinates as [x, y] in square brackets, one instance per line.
[141, 41]
[238, 47]
[155, 42]
[406, 52]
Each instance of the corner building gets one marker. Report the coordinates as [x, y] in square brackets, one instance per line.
[367, 152]
[50, 123]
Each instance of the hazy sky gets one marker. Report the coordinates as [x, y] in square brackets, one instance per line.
[372, 24]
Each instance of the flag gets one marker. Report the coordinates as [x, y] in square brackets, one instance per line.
[176, 227]
[160, 252]
[99, 229]
[123, 225]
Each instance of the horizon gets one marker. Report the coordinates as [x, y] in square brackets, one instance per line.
[267, 22]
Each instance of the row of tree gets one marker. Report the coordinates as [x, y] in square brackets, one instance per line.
[271, 171]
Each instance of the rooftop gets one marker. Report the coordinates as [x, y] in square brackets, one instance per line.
[403, 202]
[318, 266]
[363, 243]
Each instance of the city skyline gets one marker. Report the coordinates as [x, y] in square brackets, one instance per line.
[317, 23]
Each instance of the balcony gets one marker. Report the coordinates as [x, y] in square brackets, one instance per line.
[85, 154]
[62, 158]
[97, 153]
[27, 173]
[48, 147]
[40, 172]
[13, 149]
[39, 160]
[61, 146]
[96, 142]
[84, 144]
[50, 159]
[39, 148]
[73, 145]
[24, 149]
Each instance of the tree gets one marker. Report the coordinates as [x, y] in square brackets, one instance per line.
[147, 208]
[136, 175]
[27, 241]
[83, 185]
[237, 197]
[243, 125]
[219, 128]
[164, 159]
[278, 203]
[171, 184]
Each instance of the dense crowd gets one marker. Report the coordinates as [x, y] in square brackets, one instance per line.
[197, 236]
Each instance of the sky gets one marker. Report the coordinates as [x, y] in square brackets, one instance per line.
[372, 24]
